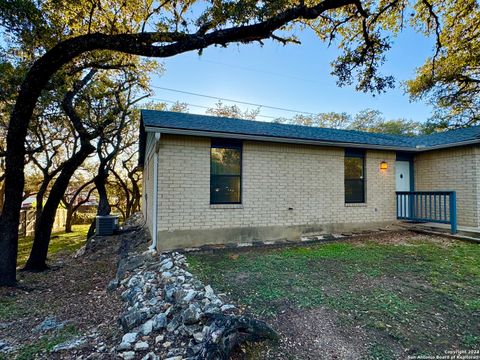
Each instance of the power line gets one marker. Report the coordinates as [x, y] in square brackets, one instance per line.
[205, 107]
[231, 100]
[289, 76]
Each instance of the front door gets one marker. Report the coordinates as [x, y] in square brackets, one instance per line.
[402, 183]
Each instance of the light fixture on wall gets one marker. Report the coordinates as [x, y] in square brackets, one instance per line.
[383, 165]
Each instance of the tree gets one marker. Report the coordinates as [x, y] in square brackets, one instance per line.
[126, 182]
[450, 80]
[366, 120]
[78, 193]
[398, 127]
[55, 140]
[327, 120]
[110, 141]
[94, 115]
[10, 79]
[363, 29]
[232, 111]
[44, 224]
[373, 121]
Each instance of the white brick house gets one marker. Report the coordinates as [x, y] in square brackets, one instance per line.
[216, 180]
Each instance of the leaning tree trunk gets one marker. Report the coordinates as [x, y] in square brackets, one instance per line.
[2, 195]
[136, 196]
[39, 198]
[103, 205]
[38, 255]
[69, 219]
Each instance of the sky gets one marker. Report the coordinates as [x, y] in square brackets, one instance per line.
[295, 77]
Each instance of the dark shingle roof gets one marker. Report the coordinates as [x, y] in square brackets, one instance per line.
[450, 137]
[235, 127]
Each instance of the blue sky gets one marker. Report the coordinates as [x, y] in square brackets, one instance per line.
[294, 76]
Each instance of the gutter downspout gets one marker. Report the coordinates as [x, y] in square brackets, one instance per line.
[153, 246]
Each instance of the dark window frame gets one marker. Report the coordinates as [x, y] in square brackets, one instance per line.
[227, 144]
[359, 154]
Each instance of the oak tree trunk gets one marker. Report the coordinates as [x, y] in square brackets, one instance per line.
[38, 255]
[2, 195]
[39, 199]
[69, 219]
[103, 205]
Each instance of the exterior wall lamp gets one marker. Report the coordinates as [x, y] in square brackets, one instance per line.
[383, 165]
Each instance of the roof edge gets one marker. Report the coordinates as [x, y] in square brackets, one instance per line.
[175, 131]
[206, 133]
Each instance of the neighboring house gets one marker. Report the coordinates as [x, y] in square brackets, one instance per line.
[217, 180]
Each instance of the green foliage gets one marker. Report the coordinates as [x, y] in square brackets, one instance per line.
[366, 120]
[450, 80]
[373, 121]
[363, 31]
[327, 120]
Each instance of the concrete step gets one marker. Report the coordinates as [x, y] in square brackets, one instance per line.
[462, 234]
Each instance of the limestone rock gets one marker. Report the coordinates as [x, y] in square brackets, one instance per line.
[141, 346]
[159, 321]
[192, 314]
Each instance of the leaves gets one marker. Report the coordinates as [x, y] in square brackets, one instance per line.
[366, 120]
[450, 80]
[232, 111]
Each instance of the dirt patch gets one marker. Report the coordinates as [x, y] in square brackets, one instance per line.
[404, 237]
[316, 334]
[73, 292]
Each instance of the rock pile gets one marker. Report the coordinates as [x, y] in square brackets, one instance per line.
[172, 315]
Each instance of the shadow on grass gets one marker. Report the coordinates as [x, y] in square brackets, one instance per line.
[59, 242]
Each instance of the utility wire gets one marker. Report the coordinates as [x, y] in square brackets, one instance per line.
[260, 71]
[204, 107]
[231, 100]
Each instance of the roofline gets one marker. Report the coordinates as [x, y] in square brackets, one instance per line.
[446, 146]
[206, 133]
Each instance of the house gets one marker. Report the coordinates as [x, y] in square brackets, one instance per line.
[216, 180]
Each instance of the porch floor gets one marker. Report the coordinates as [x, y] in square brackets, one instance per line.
[466, 232]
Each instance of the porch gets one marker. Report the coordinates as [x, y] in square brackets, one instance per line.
[438, 208]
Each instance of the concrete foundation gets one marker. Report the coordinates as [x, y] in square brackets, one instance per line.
[170, 240]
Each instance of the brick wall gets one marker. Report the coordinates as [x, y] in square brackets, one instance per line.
[452, 169]
[276, 177]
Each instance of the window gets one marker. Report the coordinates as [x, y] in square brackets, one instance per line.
[354, 176]
[225, 172]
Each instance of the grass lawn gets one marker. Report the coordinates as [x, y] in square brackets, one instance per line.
[391, 295]
[59, 242]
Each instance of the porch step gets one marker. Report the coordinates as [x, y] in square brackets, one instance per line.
[464, 233]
